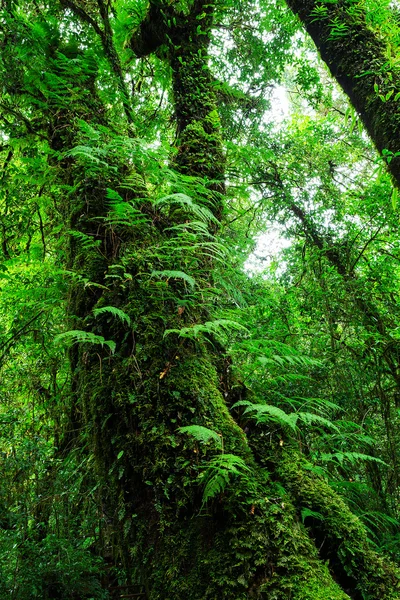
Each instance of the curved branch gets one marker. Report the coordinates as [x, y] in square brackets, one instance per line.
[83, 15]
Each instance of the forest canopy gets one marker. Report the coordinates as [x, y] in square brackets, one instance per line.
[199, 300]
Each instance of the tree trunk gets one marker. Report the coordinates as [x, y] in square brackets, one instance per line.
[364, 63]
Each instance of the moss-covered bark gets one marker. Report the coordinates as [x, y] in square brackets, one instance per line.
[248, 541]
[242, 545]
[363, 61]
[185, 40]
[344, 537]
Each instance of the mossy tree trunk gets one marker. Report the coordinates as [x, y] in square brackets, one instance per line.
[363, 60]
[248, 542]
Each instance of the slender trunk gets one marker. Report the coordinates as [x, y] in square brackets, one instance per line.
[374, 322]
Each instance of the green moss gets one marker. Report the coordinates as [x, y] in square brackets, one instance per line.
[199, 141]
[239, 558]
[373, 576]
[247, 542]
[240, 546]
[199, 149]
[314, 582]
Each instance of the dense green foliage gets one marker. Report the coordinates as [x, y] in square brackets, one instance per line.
[185, 412]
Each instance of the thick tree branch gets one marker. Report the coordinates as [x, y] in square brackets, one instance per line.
[358, 59]
[186, 39]
[151, 34]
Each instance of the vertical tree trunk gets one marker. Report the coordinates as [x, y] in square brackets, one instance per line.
[378, 326]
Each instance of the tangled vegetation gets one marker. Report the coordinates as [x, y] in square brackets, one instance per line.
[192, 406]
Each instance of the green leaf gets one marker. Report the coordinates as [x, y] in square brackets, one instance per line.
[83, 337]
[112, 310]
[394, 198]
[202, 434]
[388, 95]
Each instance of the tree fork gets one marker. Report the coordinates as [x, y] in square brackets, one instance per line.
[245, 546]
[186, 39]
[347, 548]
[195, 111]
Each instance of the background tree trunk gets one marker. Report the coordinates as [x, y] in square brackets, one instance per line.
[363, 62]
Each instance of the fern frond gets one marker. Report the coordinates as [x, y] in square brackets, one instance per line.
[86, 241]
[186, 203]
[218, 328]
[219, 472]
[287, 360]
[378, 520]
[267, 412]
[76, 277]
[215, 485]
[351, 457]
[84, 337]
[202, 434]
[122, 212]
[174, 275]
[316, 404]
[188, 247]
[313, 419]
[116, 312]
[199, 228]
[92, 155]
[114, 196]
